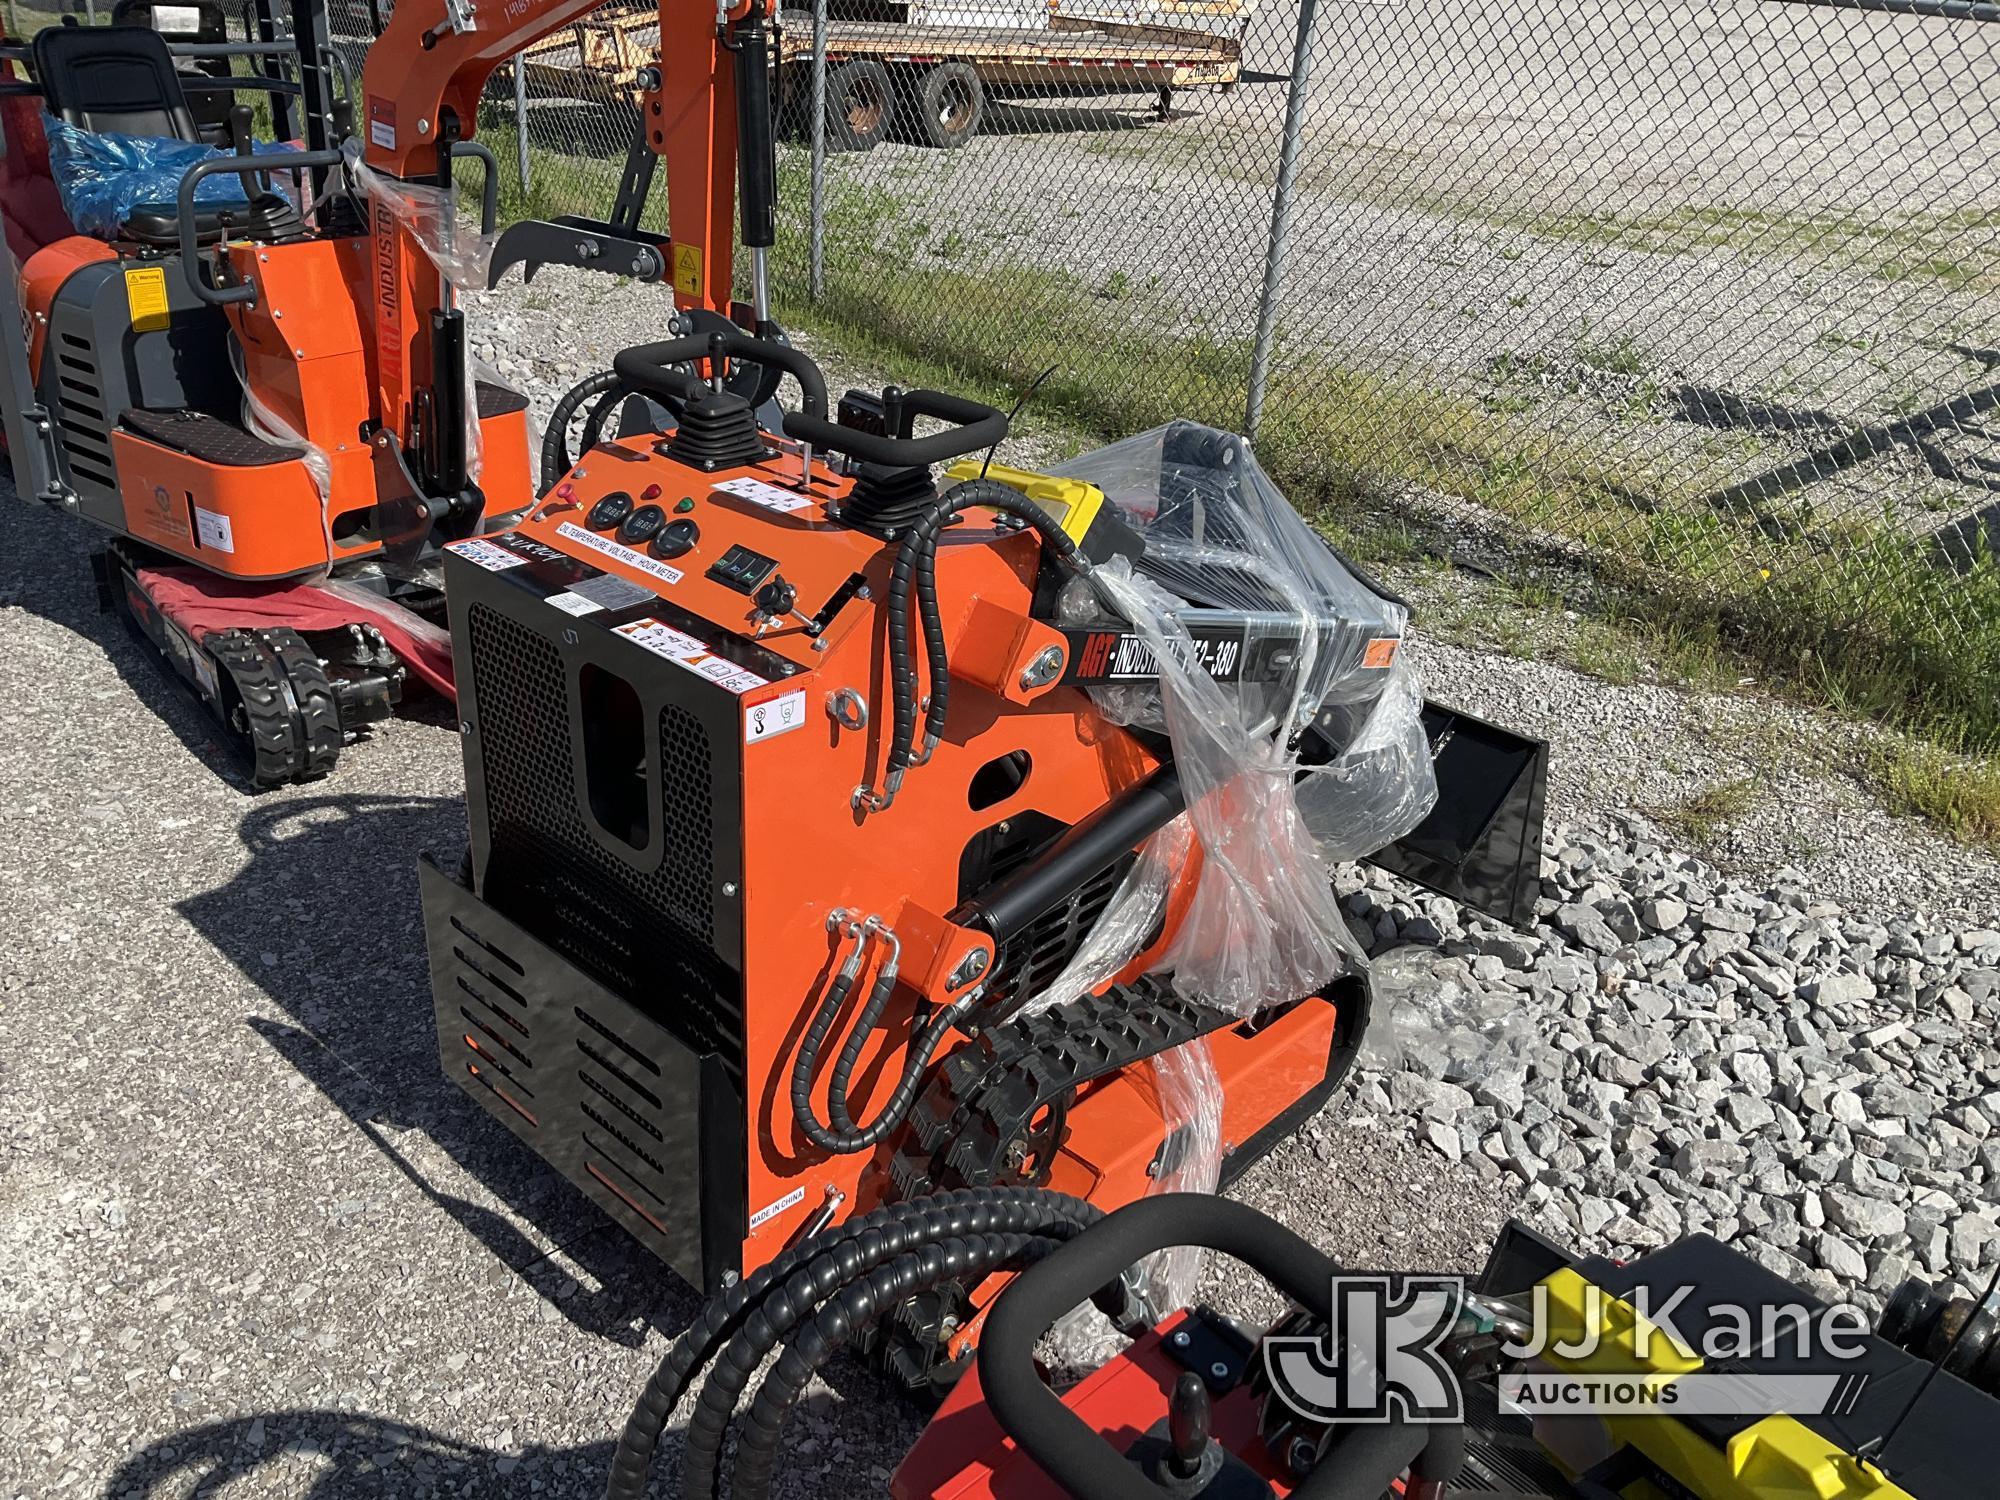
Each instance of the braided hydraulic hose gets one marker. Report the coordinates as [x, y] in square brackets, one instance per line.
[556, 458]
[723, 1314]
[841, 1135]
[744, 1321]
[965, 1258]
[915, 575]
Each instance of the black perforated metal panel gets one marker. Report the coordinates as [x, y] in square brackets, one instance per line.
[640, 921]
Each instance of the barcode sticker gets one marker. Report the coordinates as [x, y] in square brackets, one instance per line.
[486, 555]
[609, 591]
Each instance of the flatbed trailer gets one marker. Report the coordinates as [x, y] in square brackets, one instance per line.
[936, 78]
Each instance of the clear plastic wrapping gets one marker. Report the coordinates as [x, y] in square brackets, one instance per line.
[1297, 733]
[269, 424]
[1433, 1017]
[102, 175]
[429, 215]
[1261, 632]
[1191, 1108]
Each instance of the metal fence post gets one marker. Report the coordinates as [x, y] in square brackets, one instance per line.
[816, 283]
[1281, 213]
[521, 125]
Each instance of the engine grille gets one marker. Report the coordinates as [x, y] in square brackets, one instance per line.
[85, 429]
[647, 932]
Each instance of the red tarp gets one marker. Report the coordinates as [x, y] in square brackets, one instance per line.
[30, 206]
[199, 602]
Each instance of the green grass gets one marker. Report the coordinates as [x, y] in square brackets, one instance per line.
[1714, 808]
[1956, 791]
[1852, 615]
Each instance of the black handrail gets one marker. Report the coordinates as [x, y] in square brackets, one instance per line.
[185, 220]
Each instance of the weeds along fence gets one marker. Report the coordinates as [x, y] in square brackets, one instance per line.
[1700, 296]
[1692, 301]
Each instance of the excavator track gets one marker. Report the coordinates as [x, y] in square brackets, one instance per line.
[285, 712]
[997, 1109]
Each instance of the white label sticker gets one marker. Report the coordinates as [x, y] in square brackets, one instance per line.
[383, 134]
[574, 604]
[663, 640]
[177, 18]
[205, 670]
[212, 531]
[486, 555]
[609, 591]
[651, 566]
[767, 495]
[683, 650]
[770, 1211]
[763, 720]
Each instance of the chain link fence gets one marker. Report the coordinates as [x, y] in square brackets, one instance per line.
[1703, 292]
[1696, 295]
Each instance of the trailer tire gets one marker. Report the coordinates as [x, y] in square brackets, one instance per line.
[947, 105]
[860, 103]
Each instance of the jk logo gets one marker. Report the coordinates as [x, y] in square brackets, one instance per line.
[1380, 1361]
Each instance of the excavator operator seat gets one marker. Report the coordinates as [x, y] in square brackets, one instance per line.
[122, 79]
[114, 78]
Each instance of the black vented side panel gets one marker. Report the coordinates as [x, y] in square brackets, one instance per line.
[611, 1098]
[642, 924]
[85, 429]
[687, 862]
[1031, 959]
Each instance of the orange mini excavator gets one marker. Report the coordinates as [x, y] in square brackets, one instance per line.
[262, 399]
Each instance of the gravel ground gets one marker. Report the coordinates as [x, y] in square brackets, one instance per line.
[250, 1232]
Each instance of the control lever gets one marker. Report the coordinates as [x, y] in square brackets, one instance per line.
[240, 143]
[656, 369]
[973, 427]
[1189, 1425]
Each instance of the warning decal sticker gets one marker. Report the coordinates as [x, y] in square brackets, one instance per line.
[683, 650]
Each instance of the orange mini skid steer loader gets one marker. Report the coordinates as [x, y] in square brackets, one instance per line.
[271, 431]
[826, 848]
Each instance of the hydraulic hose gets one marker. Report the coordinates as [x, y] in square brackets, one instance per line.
[723, 1314]
[841, 1135]
[556, 458]
[784, 1308]
[967, 1258]
[914, 575]
[743, 1322]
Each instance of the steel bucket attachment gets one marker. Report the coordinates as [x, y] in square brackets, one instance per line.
[1481, 844]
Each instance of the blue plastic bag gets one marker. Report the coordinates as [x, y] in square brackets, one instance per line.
[102, 174]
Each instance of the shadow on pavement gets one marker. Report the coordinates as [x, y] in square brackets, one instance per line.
[334, 1454]
[45, 569]
[324, 917]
